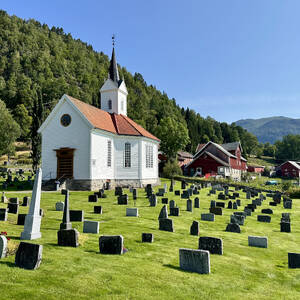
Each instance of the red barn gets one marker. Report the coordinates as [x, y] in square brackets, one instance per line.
[290, 169]
[256, 169]
[213, 159]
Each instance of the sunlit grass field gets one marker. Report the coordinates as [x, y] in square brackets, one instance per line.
[151, 271]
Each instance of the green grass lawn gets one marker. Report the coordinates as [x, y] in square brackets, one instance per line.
[151, 271]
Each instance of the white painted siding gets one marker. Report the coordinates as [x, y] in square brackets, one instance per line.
[149, 173]
[76, 135]
[120, 171]
[99, 141]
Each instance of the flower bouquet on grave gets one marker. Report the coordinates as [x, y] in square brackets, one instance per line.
[12, 246]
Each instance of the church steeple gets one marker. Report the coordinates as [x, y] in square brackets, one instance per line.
[113, 68]
[114, 92]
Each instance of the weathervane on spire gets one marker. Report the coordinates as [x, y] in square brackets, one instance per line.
[113, 40]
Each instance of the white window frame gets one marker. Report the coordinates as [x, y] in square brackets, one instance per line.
[127, 155]
[149, 156]
[109, 153]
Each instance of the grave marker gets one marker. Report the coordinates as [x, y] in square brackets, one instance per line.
[29, 256]
[90, 227]
[211, 244]
[111, 244]
[258, 241]
[194, 260]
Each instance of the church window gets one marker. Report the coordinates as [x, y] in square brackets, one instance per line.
[109, 153]
[109, 104]
[149, 156]
[127, 155]
[65, 120]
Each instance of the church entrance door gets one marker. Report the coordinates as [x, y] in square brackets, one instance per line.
[65, 158]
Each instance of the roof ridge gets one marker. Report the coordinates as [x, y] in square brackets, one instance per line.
[126, 119]
[114, 120]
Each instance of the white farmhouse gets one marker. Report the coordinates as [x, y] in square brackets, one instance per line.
[86, 147]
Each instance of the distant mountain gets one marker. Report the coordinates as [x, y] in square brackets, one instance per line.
[271, 129]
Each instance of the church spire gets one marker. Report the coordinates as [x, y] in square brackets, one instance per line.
[113, 67]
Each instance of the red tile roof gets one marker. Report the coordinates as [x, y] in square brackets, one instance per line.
[118, 124]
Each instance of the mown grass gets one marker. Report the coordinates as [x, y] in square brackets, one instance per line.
[151, 271]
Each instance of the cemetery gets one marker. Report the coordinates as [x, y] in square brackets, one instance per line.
[198, 253]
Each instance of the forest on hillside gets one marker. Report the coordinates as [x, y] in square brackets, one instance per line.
[38, 62]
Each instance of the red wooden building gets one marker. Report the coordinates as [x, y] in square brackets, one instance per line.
[290, 169]
[213, 159]
[256, 169]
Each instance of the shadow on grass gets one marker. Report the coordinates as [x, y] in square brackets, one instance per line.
[174, 268]
[8, 263]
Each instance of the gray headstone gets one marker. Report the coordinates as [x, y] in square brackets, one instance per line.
[263, 218]
[147, 238]
[208, 217]
[76, 215]
[293, 260]
[172, 204]
[68, 237]
[258, 241]
[163, 213]
[211, 244]
[3, 246]
[29, 256]
[234, 205]
[236, 219]
[248, 211]
[287, 204]
[189, 205]
[111, 244]
[194, 260]
[3, 214]
[59, 206]
[194, 230]
[233, 228]
[132, 212]
[90, 226]
[165, 188]
[166, 225]
[33, 219]
[286, 217]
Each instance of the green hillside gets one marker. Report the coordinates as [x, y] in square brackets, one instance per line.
[271, 129]
[41, 62]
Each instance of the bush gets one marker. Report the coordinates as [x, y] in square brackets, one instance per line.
[171, 169]
[286, 185]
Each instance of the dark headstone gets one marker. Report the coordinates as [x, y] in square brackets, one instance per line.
[118, 191]
[134, 194]
[212, 203]
[220, 204]
[211, 244]
[183, 185]
[294, 260]
[14, 200]
[248, 211]
[285, 227]
[76, 215]
[13, 208]
[98, 209]
[285, 217]
[153, 200]
[163, 213]
[147, 237]
[123, 200]
[263, 218]
[233, 228]
[277, 198]
[161, 192]
[68, 237]
[174, 211]
[93, 198]
[29, 256]
[194, 260]
[166, 225]
[234, 205]
[221, 196]
[229, 205]
[216, 211]
[177, 193]
[196, 202]
[189, 205]
[172, 204]
[236, 219]
[21, 219]
[111, 244]
[194, 230]
[240, 213]
[267, 211]
[164, 200]
[185, 195]
[287, 204]
[238, 202]
[3, 214]
[272, 203]
[25, 201]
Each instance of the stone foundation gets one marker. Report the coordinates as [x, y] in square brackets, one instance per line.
[96, 184]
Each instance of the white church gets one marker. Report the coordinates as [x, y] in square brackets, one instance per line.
[85, 147]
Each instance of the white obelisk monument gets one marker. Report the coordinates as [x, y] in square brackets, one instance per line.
[33, 219]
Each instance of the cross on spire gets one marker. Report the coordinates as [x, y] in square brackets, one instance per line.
[113, 40]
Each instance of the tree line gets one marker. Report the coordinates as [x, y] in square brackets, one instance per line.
[39, 64]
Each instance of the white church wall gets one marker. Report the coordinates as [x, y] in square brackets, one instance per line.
[76, 135]
[122, 172]
[149, 173]
[99, 155]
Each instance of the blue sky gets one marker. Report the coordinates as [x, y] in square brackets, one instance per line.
[229, 59]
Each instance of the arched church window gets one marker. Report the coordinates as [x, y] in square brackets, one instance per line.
[127, 155]
[109, 104]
